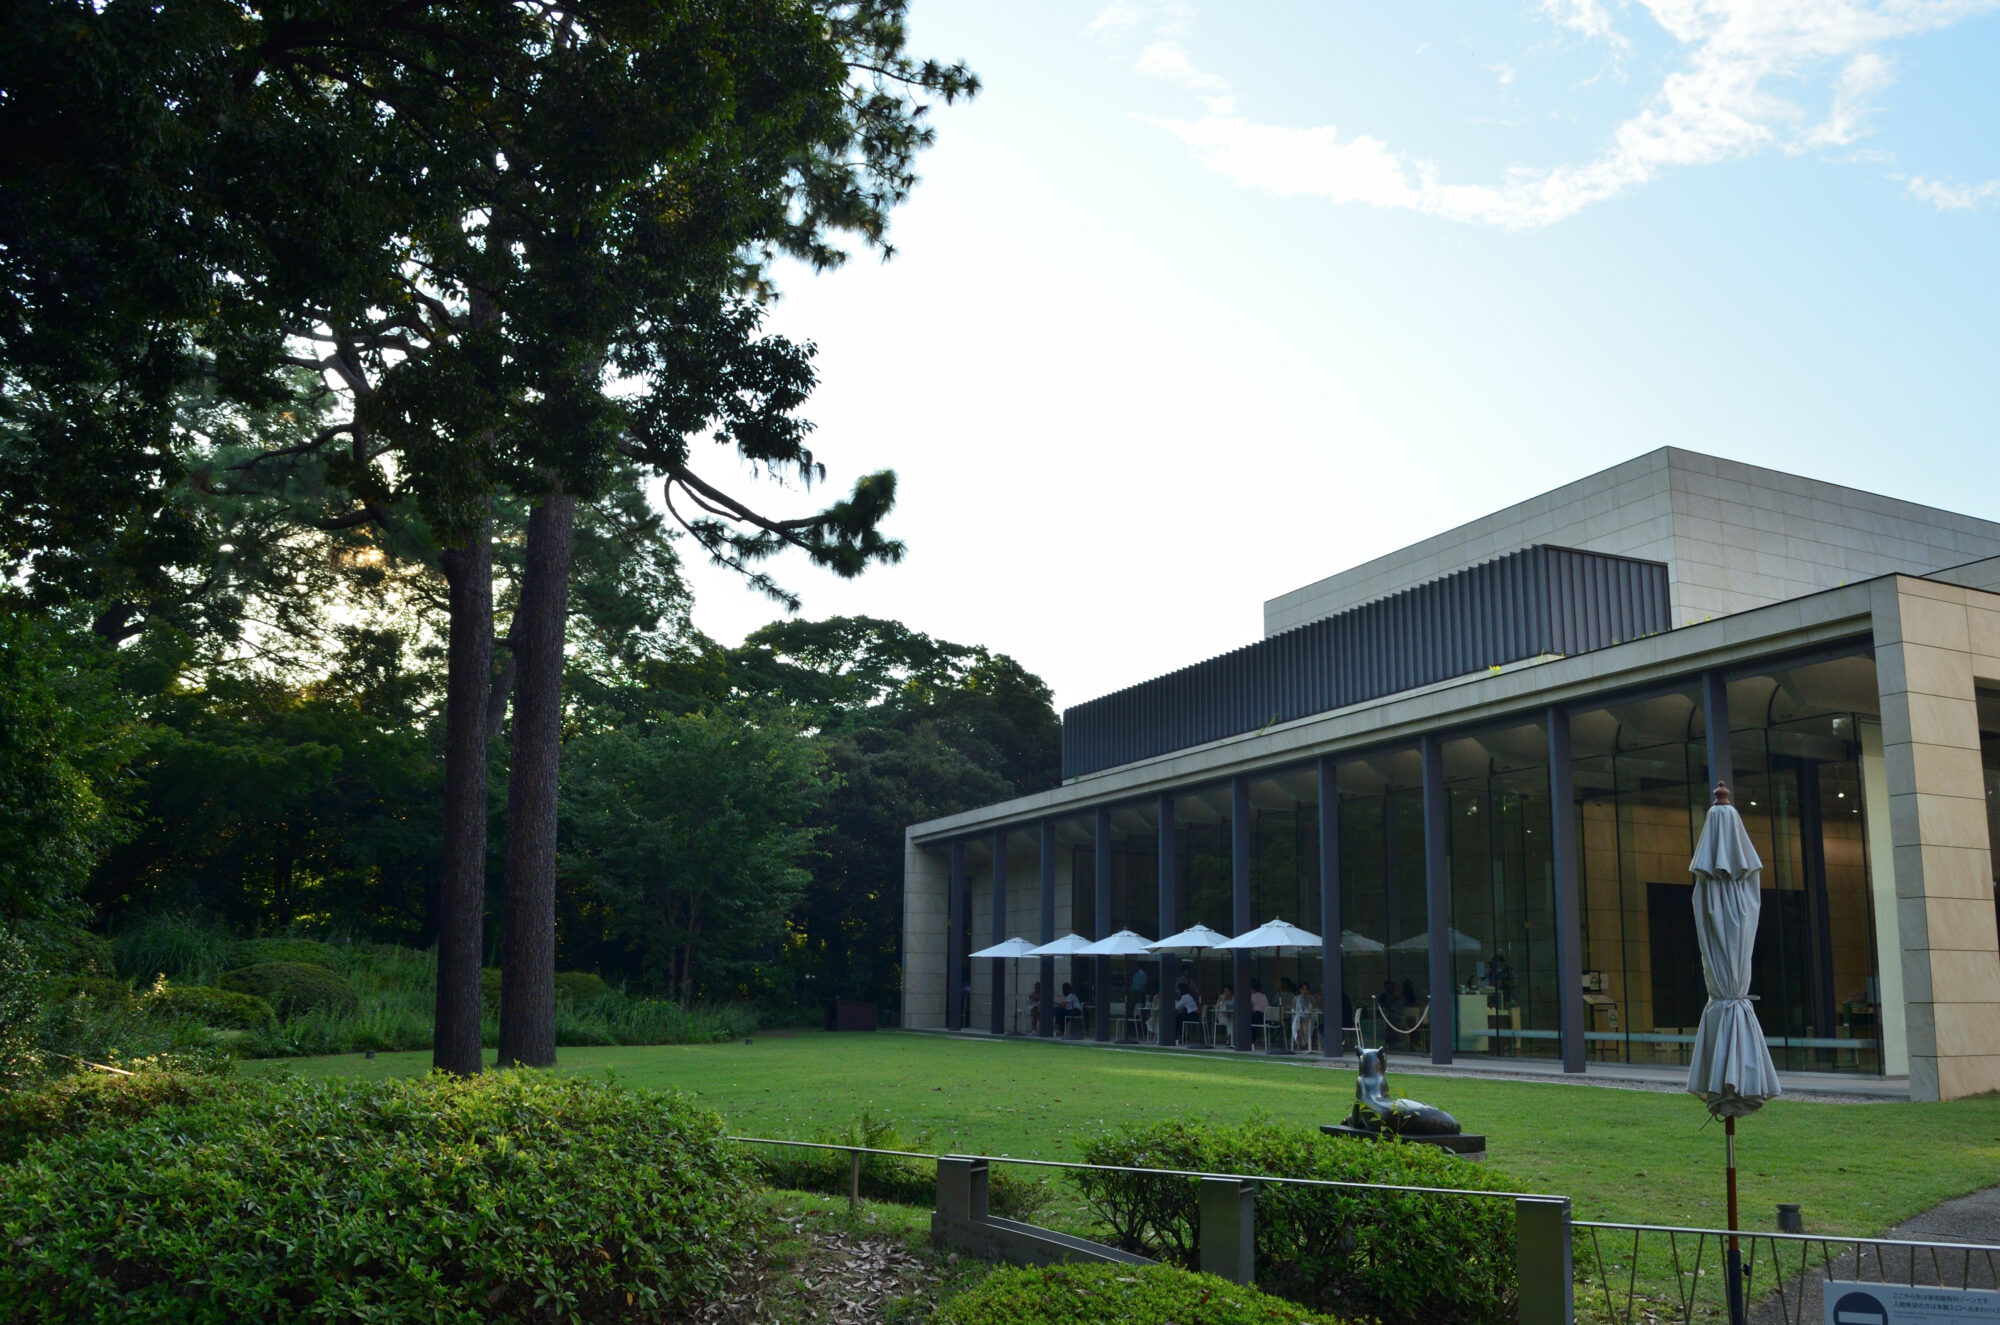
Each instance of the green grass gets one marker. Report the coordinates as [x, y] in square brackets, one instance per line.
[1622, 1155]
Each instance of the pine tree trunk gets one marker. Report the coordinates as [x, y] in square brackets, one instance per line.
[528, 963]
[462, 888]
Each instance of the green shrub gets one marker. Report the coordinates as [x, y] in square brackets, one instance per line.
[75, 1104]
[293, 987]
[195, 951]
[1114, 1295]
[95, 988]
[582, 987]
[883, 1177]
[508, 1197]
[224, 1009]
[68, 950]
[258, 952]
[20, 1014]
[1396, 1257]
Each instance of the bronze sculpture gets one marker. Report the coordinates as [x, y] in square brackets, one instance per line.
[1375, 1111]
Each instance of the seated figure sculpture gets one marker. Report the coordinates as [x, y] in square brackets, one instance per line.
[1375, 1111]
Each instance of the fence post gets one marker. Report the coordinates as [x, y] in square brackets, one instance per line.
[1545, 1293]
[854, 1180]
[1229, 1229]
[961, 1196]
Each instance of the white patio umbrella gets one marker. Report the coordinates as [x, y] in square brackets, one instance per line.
[1283, 939]
[1069, 945]
[1010, 949]
[1190, 942]
[1731, 1071]
[1125, 943]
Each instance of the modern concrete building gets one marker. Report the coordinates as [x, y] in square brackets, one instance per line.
[1494, 749]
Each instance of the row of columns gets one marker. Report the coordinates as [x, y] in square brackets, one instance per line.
[1437, 894]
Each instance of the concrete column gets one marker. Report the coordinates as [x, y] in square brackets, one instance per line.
[1935, 644]
[957, 982]
[1569, 905]
[1331, 969]
[1239, 854]
[1437, 899]
[1100, 974]
[1046, 966]
[999, 930]
[1170, 921]
[926, 922]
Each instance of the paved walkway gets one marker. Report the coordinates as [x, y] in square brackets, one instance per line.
[1969, 1219]
[1820, 1087]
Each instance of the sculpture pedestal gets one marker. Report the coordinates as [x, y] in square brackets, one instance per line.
[1466, 1145]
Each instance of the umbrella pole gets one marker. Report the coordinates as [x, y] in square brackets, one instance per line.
[1735, 1266]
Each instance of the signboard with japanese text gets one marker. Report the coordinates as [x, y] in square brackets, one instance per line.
[1895, 1304]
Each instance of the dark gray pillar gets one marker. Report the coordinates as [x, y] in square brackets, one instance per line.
[1819, 924]
[1239, 854]
[999, 930]
[1715, 717]
[955, 979]
[1569, 906]
[1331, 970]
[1046, 971]
[1437, 898]
[1170, 923]
[1100, 967]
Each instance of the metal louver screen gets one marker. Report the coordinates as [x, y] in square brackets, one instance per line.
[1540, 600]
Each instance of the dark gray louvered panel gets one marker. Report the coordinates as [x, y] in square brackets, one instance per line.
[1540, 600]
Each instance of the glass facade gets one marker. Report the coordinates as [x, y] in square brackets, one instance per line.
[1806, 772]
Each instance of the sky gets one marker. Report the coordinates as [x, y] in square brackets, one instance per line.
[1198, 303]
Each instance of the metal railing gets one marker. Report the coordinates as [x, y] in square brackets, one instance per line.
[1543, 1234]
[1644, 1272]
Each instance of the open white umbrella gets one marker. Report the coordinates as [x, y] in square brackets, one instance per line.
[1281, 938]
[1125, 943]
[1199, 938]
[1190, 942]
[1010, 949]
[1069, 945]
[1731, 1071]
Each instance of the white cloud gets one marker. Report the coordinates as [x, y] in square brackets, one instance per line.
[1726, 99]
[1948, 195]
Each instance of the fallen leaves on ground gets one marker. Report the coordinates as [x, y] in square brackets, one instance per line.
[835, 1277]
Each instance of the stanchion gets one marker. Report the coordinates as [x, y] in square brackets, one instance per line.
[1735, 1260]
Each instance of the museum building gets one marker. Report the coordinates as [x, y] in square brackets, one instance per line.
[1483, 761]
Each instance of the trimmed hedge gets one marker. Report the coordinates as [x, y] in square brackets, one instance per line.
[1400, 1258]
[1116, 1295]
[293, 987]
[885, 1177]
[73, 1105]
[95, 988]
[510, 1197]
[257, 952]
[582, 987]
[224, 1009]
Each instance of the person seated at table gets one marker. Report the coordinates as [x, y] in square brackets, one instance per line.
[1187, 1011]
[1260, 1006]
[1225, 1012]
[1035, 1008]
[1069, 1010]
[1302, 1018]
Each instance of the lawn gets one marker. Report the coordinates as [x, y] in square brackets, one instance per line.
[1622, 1155]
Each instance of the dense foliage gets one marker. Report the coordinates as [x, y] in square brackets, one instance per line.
[1115, 1294]
[1378, 1255]
[502, 1198]
[893, 1178]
